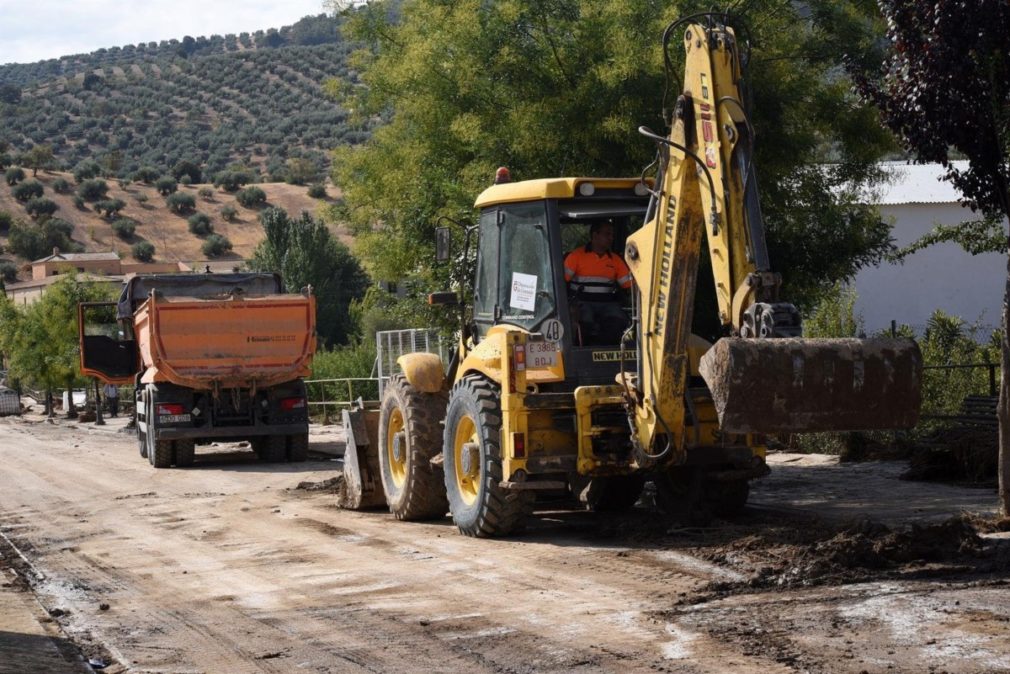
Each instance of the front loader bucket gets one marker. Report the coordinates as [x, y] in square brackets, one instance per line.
[810, 385]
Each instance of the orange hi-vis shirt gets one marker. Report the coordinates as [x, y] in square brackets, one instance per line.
[596, 274]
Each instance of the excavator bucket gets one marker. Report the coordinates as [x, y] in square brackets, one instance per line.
[811, 385]
[362, 483]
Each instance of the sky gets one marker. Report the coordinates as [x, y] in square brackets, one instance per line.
[35, 30]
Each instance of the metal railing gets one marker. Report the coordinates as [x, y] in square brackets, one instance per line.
[391, 344]
[326, 396]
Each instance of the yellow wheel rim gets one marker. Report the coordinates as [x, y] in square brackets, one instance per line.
[467, 483]
[397, 469]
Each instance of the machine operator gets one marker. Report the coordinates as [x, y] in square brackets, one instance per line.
[597, 277]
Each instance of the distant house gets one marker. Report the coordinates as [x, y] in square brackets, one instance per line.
[104, 267]
[942, 276]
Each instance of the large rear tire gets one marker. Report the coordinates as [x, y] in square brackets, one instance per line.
[160, 452]
[271, 448]
[409, 437]
[473, 463]
[185, 453]
[298, 447]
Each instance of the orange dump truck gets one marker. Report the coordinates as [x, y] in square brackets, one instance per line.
[213, 357]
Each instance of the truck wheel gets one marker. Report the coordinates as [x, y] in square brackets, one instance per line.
[298, 447]
[142, 442]
[160, 453]
[473, 463]
[185, 451]
[409, 437]
[272, 448]
[614, 493]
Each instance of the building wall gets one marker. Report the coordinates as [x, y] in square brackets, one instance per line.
[42, 270]
[942, 276]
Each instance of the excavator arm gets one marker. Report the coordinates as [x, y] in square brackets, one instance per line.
[763, 377]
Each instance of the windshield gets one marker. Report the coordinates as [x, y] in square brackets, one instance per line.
[515, 278]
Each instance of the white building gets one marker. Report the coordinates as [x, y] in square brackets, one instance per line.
[942, 276]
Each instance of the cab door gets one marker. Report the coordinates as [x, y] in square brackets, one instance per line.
[108, 347]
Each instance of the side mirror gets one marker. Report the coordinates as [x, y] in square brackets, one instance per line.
[443, 239]
[443, 298]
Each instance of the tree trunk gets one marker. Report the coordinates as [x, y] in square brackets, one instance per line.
[49, 402]
[71, 407]
[1003, 409]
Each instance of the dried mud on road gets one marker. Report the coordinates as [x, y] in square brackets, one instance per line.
[239, 566]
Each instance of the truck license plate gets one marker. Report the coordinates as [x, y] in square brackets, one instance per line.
[542, 354]
[174, 418]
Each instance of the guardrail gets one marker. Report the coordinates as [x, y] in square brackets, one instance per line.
[326, 396]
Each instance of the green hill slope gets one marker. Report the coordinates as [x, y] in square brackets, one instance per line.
[254, 100]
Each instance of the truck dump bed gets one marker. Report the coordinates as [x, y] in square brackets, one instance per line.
[224, 343]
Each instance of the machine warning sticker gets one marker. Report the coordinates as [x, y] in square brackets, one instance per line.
[524, 291]
[612, 356]
[542, 354]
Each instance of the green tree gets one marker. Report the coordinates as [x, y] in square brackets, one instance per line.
[251, 197]
[41, 207]
[560, 88]
[92, 189]
[14, 175]
[199, 224]
[216, 246]
[28, 190]
[300, 170]
[945, 86]
[39, 157]
[143, 251]
[180, 203]
[110, 207]
[304, 252]
[185, 167]
[166, 185]
[40, 340]
[124, 228]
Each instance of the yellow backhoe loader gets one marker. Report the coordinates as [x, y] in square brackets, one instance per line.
[535, 402]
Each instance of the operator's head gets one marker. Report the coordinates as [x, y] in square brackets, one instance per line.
[601, 236]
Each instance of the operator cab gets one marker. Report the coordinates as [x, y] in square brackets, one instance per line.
[525, 232]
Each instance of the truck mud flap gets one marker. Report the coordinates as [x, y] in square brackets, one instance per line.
[362, 483]
[812, 385]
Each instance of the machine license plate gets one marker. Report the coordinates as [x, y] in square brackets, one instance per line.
[174, 418]
[542, 354]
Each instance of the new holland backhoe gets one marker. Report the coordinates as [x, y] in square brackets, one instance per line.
[528, 406]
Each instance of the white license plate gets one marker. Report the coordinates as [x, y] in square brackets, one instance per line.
[542, 354]
[174, 418]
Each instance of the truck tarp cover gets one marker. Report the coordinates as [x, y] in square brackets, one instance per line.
[137, 288]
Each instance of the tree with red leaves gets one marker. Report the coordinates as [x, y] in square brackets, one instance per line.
[945, 87]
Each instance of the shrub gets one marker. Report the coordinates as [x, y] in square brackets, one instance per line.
[206, 193]
[79, 203]
[251, 197]
[86, 170]
[14, 175]
[6, 220]
[110, 207]
[166, 185]
[231, 181]
[199, 224]
[216, 245]
[8, 272]
[143, 251]
[92, 189]
[317, 191]
[30, 189]
[61, 186]
[146, 174]
[140, 199]
[229, 212]
[185, 180]
[124, 228]
[41, 206]
[180, 203]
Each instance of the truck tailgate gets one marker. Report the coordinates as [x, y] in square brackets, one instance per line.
[241, 342]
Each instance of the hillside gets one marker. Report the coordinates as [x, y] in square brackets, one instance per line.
[167, 231]
[254, 100]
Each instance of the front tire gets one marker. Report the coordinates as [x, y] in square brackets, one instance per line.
[473, 463]
[409, 437]
[298, 447]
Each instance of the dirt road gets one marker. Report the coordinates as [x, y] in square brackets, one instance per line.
[228, 567]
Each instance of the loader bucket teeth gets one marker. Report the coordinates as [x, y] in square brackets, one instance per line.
[812, 385]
